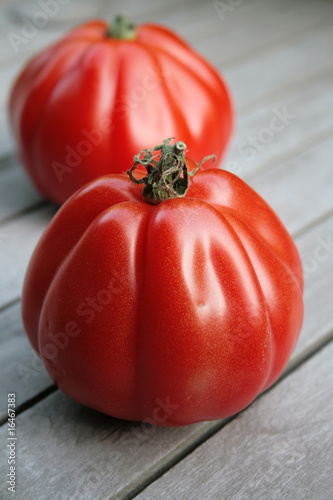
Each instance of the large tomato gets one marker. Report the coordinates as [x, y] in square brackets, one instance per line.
[170, 313]
[83, 107]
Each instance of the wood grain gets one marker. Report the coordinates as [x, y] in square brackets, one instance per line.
[272, 58]
[262, 139]
[17, 192]
[274, 55]
[280, 447]
[241, 33]
[280, 186]
[18, 240]
[22, 372]
[308, 106]
[110, 440]
[26, 376]
[269, 73]
[289, 187]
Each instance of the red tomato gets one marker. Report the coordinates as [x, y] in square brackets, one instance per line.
[83, 107]
[171, 313]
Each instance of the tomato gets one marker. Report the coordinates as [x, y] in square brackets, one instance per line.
[165, 310]
[83, 107]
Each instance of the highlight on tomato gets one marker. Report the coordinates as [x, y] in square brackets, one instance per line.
[83, 107]
[169, 297]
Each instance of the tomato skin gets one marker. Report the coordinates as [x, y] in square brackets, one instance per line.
[83, 107]
[172, 313]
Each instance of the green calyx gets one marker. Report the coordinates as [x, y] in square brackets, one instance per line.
[169, 176]
[122, 29]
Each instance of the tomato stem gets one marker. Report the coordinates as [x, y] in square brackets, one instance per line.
[169, 176]
[122, 29]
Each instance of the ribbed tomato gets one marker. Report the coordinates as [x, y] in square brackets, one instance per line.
[84, 107]
[169, 313]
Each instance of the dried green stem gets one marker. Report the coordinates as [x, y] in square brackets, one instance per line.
[121, 29]
[167, 178]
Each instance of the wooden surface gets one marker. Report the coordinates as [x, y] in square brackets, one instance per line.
[277, 57]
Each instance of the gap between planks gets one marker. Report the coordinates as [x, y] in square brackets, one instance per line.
[305, 347]
[302, 230]
[261, 49]
[232, 156]
[250, 105]
[306, 242]
[268, 449]
[133, 490]
[293, 365]
[266, 184]
[207, 429]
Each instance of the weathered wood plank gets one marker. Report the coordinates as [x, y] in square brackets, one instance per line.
[296, 49]
[273, 133]
[14, 56]
[280, 447]
[110, 440]
[280, 186]
[7, 144]
[21, 370]
[263, 78]
[18, 239]
[289, 187]
[316, 250]
[105, 458]
[84, 454]
[63, 18]
[17, 192]
[235, 76]
[16, 48]
[175, 17]
[187, 17]
[75, 12]
[307, 115]
[266, 25]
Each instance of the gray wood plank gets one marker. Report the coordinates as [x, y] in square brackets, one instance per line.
[17, 192]
[289, 187]
[181, 15]
[18, 239]
[265, 26]
[93, 449]
[115, 469]
[16, 51]
[21, 370]
[280, 186]
[68, 16]
[172, 14]
[269, 74]
[75, 11]
[276, 132]
[318, 270]
[316, 250]
[236, 75]
[299, 133]
[245, 26]
[82, 453]
[71, 14]
[197, 19]
[311, 116]
[310, 112]
[280, 447]
[7, 143]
